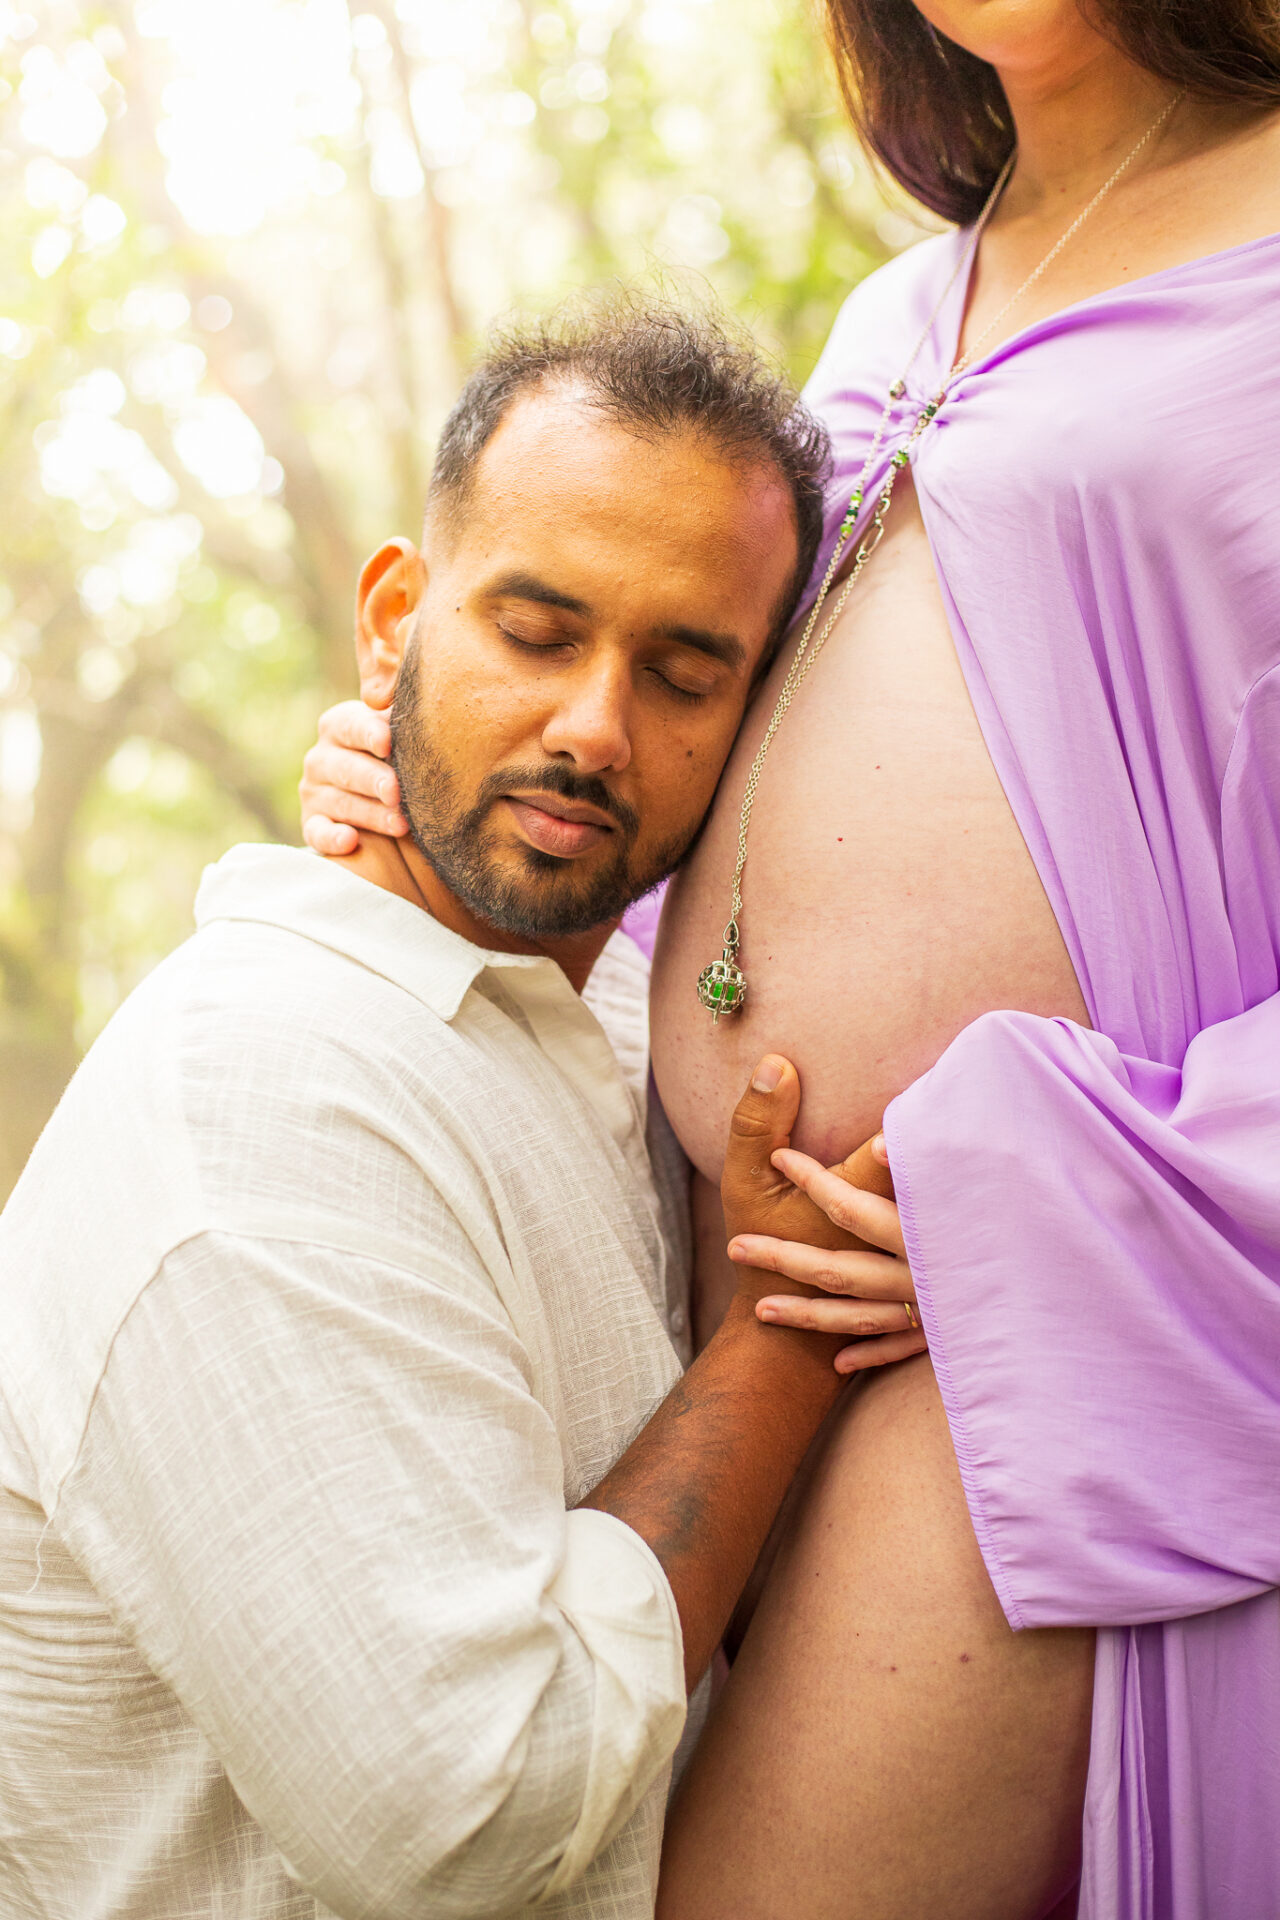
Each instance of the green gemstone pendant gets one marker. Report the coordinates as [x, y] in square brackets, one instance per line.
[722, 987]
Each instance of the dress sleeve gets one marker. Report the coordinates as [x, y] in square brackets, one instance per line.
[1095, 1242]
[318, 1494]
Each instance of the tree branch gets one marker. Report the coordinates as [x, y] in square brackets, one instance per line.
[323, 552]
[398, 313]
[165, 716]
[435, 214]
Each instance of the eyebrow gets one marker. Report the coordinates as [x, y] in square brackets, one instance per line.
[527, 586]
[725, 648]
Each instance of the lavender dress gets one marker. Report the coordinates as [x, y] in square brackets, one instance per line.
[1093, 1218]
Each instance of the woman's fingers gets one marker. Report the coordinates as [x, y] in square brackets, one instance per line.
[880, 1353]
[345, 786]
[870, 1276]
[328, 765]
[346, 781]
[352, 724]
[326, 836]
[851, 1208]
[858, 1319]
[333, 804]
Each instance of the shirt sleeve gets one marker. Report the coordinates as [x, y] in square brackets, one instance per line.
[319, 1495]
[1095, 1242]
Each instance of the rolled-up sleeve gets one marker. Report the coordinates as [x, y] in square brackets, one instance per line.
[320, 1496]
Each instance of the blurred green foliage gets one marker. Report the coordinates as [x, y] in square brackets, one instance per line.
[246, 250]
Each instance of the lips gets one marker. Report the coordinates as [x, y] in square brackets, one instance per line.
[560, 827]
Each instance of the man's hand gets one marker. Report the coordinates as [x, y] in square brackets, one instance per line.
[704, 1480]
[758, 1197]
[820, 1231]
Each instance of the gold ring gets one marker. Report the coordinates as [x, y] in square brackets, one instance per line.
[910, 1312]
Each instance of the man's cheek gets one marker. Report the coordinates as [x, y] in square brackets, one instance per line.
[681, 806]
[705, 758]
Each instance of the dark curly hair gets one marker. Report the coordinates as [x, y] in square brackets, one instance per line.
[656, 368]
[938, 118]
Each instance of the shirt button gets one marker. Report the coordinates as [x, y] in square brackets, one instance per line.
[678, 1320]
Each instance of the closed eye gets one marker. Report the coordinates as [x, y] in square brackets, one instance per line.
[543, 640]
[535, 643]
[692, 696]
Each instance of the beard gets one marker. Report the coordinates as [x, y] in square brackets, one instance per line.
[520, 890]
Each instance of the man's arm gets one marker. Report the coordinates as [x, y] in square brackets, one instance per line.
[320, 1497]
[703, 1482]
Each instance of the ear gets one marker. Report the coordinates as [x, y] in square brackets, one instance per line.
[392, 584]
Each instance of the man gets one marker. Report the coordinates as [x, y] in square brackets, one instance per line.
[341, 1278]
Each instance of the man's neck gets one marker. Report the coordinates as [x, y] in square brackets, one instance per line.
[398, 867]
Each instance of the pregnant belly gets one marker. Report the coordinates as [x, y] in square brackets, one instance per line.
[889, 898]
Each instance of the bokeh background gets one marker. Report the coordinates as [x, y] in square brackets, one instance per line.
[246, 250]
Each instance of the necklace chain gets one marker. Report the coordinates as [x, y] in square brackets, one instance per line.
[722, 986]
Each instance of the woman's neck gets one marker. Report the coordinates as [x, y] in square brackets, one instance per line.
[1074, 124]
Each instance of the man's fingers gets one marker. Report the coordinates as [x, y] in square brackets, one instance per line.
[867, 1215]
[762, 1121]
[880, 1353]
[867, 1276]
[867, 1169]
[766, 1113]
[857, 1319]
[352, 724]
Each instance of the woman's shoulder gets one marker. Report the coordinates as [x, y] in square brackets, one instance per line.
[920, 270]
[893, 299]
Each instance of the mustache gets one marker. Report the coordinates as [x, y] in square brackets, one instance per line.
[586, 788]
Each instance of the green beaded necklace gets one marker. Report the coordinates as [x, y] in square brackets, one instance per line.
[722, 986]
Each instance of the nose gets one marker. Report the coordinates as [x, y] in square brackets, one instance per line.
[591, 723]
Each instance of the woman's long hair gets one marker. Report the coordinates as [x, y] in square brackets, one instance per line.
[938, 117]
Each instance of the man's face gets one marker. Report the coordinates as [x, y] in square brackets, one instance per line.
[575, 658]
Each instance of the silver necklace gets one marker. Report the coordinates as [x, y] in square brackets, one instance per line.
[722, 986]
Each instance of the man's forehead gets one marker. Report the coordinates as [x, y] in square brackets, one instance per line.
[560, 428]
[600, 507]
[560, 457]
[563, 435]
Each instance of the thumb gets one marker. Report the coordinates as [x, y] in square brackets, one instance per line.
[762, 1122]
[865, 1168]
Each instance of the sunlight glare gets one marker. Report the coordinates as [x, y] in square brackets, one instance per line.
[61, 110]
[231, 132]
[221, 447]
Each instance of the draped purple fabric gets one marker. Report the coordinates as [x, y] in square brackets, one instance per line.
[641, 919]
[1093, 1218]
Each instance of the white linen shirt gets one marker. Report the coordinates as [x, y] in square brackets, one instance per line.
[337, 1279]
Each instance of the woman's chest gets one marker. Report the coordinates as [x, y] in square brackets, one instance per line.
[888, 895]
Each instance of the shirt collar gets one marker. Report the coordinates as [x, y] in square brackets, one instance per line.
[313, 897]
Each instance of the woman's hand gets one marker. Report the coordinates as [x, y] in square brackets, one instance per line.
[832, 1231]
[346, 782]
[870, 1269]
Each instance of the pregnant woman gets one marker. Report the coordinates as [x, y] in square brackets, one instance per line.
[1013, 874]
